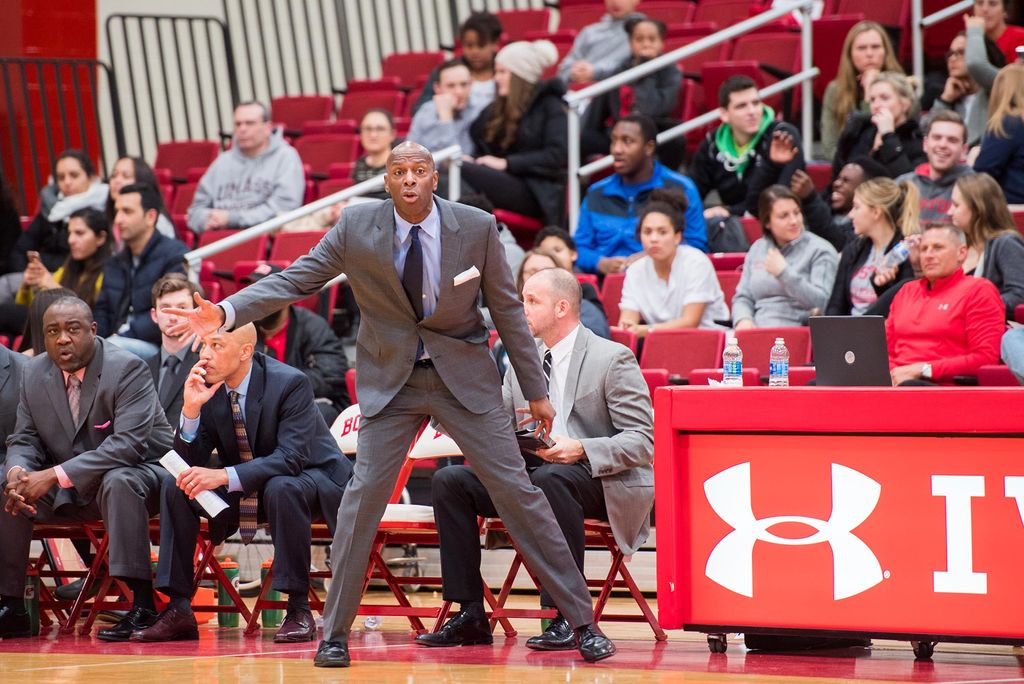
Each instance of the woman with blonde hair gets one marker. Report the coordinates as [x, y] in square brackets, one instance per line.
[995, 250]
[1002, 148]
[889, 133]
[883, 212]
[867, 51]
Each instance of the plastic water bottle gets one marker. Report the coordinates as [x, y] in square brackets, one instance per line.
[732, 364]
[778, 364]
[896, 256]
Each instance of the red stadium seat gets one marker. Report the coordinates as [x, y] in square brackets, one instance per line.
[752, 228]
[342, 126]
[589, 279]
[350, 384]
[579, 15]
[333, 185]
[829, 33]
[668, 11]
[373, 84]
[179, 212]
[1018, 218]
[1018, 313]
[611, 295]
[517, 23]
[691, 66]
[291, 246]
[681, 351]
[757, 343]
[997, 376]
[294, 111]
[800, 376]
[778, 56]
[253, 250]
[627, 339]
[655, 378]
[722, 12]
[355, 105]
[410, 66]
[728, 281]
[523, 227]
[727, 261]
[700, 376]
[821, 175]
[179, 156]
[320, 151]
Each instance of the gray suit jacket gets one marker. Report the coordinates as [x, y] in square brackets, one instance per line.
[120, 422]
[454, 335]
[611, 415]
[12, 366]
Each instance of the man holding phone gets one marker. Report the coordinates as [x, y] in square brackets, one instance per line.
[598, 464]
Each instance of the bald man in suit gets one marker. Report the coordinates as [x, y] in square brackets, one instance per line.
[417, 265]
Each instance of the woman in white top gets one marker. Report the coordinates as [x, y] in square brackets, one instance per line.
[673, 285]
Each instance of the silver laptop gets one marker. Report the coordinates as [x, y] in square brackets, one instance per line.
[850, 351]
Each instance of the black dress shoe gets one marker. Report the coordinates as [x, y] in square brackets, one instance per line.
[593, 644]
[298, 625]
[332, 654]
[466, 628]
[14, 623]
[171, 625]
[137, 618]
[557, 637]
[71, 590]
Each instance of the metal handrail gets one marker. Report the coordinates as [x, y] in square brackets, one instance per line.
[577, 99]
[194, 258]
[918, 24]
[705, 119]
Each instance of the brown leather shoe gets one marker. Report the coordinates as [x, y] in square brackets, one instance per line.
[298, 625]
[172, 625]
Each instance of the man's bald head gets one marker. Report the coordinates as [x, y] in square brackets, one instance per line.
[560, 284]
[228, 355]
[410, 151]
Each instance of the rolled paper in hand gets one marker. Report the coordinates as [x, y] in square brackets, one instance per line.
[175, 465]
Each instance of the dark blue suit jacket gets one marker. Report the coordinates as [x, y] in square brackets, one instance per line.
[286, 432]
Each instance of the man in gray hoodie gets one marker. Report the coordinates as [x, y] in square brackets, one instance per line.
[258, 178]
[599, 48]
[945, 141]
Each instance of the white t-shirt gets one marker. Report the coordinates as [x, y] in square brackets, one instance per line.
[691, 281]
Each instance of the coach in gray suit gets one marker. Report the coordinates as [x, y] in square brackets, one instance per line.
[600, 466]
[88, 435]
[12, 366]
[416, 264]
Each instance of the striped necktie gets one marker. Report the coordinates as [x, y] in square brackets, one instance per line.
[249, 505]
[547, 368]
[74, 396]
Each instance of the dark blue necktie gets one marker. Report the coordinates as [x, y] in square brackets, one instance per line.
[412, 275]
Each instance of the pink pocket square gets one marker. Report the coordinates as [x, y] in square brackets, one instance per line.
[102, 426]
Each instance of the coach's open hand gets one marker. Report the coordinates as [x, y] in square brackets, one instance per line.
[203, 320]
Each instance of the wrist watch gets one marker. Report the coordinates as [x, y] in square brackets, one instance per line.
[926, 371]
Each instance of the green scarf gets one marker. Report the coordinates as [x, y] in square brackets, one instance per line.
[726, 144]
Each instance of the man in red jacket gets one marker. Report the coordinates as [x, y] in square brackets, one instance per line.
[946, 323]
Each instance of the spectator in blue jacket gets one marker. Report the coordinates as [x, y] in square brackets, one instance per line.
[122, 308]
[606, 232]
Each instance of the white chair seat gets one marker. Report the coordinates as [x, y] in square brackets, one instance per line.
[408, 513]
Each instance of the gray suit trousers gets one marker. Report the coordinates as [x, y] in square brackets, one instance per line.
[489, 445]
[127, 497]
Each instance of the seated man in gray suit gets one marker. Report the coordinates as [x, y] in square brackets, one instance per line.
[85, 447]
[280, 465]
[600, 466]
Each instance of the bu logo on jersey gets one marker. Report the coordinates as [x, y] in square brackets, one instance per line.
[854, 497]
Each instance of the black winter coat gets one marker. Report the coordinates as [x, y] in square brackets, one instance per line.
[901, 151]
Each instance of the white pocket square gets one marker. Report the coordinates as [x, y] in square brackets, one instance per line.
[466, 276]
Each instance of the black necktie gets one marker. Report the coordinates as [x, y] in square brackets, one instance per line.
[249, 505]
[167, 377]
[547, 368]
[412, 275]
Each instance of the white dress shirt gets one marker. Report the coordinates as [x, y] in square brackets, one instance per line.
[561, 359]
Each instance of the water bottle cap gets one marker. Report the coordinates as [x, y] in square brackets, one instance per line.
[779, 340]
[731, 341]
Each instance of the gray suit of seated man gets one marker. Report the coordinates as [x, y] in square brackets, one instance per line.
[85, 447]
[600, 466]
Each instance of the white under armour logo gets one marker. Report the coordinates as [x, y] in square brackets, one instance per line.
[854, 497]
[944, 307]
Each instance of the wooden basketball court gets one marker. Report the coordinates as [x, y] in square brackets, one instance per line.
[388, 654]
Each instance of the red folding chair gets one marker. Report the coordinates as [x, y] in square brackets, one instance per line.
[681, 351]
[181, 155]
[757, 344]
[611, 295]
